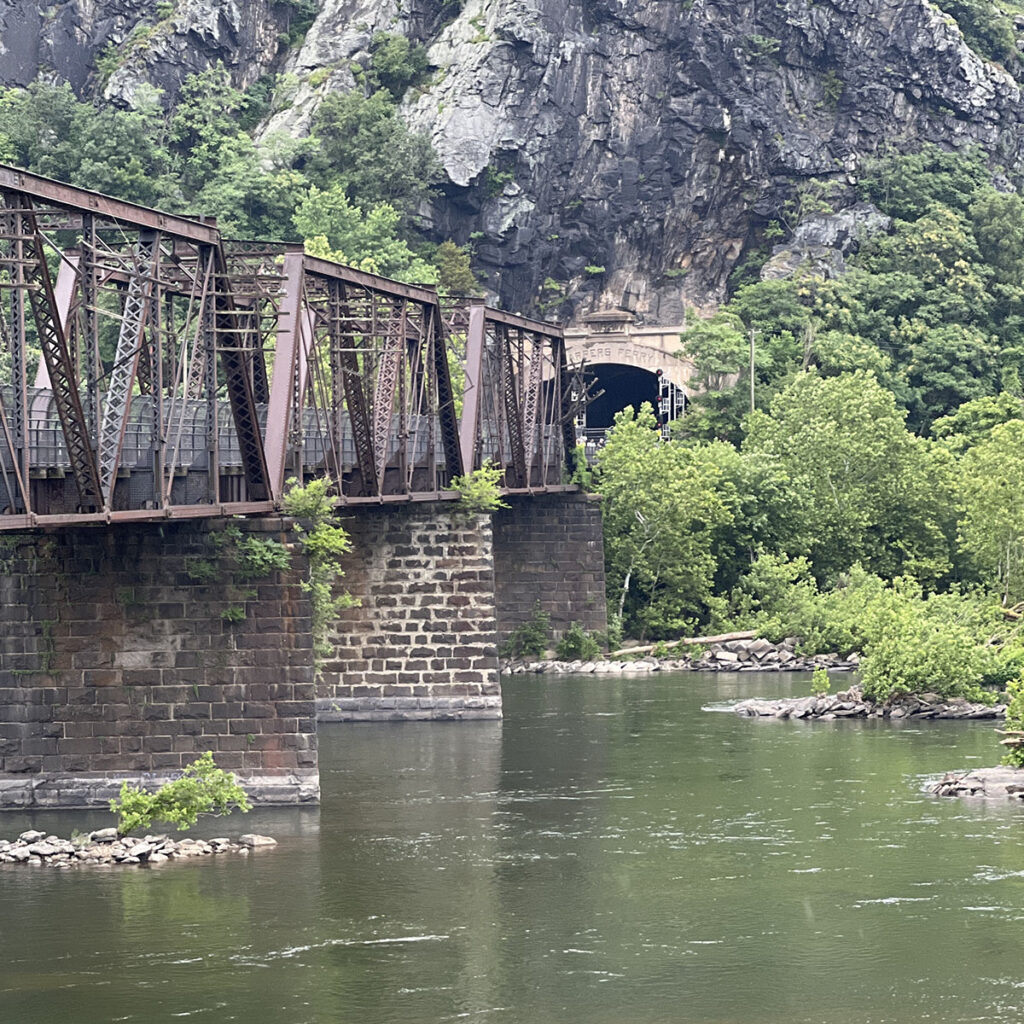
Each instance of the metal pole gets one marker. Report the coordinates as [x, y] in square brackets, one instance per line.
[753, 334]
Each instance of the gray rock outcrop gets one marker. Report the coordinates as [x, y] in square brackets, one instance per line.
[597, 153]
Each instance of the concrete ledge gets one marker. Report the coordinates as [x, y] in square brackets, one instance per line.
[408, 709]
[79, 791]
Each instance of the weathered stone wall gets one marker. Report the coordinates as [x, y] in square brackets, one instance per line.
[550, 549]
[120, 657]
[421, 642]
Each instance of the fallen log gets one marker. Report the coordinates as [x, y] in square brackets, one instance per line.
[720, 639]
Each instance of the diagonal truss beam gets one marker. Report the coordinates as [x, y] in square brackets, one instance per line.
[59, 364]
[130, 342]
[388, 373]
[230, 337]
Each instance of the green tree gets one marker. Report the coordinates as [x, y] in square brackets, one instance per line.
[663, 504]
[869, 490]
[454, 274]
[992, 491]
[335, 228]
[364, 147]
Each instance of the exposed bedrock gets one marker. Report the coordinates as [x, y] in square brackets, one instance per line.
[597, 153]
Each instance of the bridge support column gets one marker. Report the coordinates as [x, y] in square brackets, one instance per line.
[420, 645]
[127, 651]
[549, 550]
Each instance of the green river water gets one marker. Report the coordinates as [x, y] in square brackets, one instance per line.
[609, 854]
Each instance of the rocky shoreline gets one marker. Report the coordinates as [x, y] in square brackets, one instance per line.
[730, 656]
[1001, 782]
[851, 703]
[105, 847]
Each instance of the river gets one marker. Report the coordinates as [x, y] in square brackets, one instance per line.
[609, 854]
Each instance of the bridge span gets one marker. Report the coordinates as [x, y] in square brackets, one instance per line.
[183, 379]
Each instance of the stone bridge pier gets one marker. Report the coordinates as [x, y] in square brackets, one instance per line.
[439, 591]
[128, 650]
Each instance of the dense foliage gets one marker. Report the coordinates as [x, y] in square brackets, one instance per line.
[350, 190]
[873, 501]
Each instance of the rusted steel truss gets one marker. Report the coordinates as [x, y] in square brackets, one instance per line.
[518, 407]
[177, 374]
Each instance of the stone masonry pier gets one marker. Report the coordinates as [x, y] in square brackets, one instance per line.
[127, 650]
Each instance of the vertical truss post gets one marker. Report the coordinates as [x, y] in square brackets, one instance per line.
[157, 439]
[566, 406]
[89, 341]
[514, 423]
[280, 411]
[21, 450]
[455, 464]
[210, 391]
[59, 364]
[473, 389]
[531, 405]
[130, 342]
[355, 401]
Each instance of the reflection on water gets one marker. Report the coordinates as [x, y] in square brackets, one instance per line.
[608, 854]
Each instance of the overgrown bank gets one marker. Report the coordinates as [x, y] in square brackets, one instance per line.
[871, 497]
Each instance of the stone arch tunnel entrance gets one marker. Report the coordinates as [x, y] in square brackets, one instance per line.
[630, 365]
[616, 387]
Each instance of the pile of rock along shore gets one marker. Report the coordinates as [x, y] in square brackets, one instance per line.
[1002, 782]
[106, 847]
[851, 703]
[729, 656]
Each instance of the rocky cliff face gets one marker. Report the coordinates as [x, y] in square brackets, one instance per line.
[598, 153]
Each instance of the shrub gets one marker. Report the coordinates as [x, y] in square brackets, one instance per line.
[530, 640]
[202, 789]
[577, 643]
[914, 652]
[324, 542]
[1014, 755]
[480, 490]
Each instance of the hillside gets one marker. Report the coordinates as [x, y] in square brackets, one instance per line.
[593, 153]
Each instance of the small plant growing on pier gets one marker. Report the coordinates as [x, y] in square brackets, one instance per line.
[480, 490]
[202, 789]
[577, 643]
[530, 640]
[324, 542]
[258, 558]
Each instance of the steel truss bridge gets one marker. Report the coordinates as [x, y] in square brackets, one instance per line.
[186, 375]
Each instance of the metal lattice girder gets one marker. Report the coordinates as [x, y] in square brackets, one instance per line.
[531, 403]
[438, 357]
[510, 397]
[59, 364]
[472, 391]
[388, 372]
[237, 375]
[359, 414]
[130, 340]
[567, 406]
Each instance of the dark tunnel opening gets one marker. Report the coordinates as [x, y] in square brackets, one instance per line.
[622, 386]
